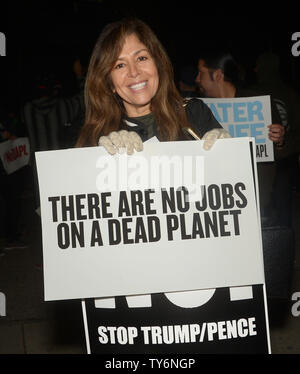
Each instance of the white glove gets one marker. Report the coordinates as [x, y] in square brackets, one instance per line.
[211, 136]
[121, 139]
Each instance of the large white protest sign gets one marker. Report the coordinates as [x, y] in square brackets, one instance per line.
[246, 117]
[14, 154]
[112, 227]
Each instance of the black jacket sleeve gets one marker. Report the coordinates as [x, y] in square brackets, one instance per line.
[200, 117]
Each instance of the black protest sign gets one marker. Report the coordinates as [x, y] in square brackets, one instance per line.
[222, 325]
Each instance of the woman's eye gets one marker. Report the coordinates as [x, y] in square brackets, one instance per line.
[119, 66]
[142, 58]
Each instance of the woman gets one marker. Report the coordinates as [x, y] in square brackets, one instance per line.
[130, 94]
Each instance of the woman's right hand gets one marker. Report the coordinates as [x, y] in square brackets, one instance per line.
[121, 139]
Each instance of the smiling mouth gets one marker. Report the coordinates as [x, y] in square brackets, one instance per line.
[138, 86]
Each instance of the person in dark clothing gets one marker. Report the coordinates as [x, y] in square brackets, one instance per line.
[287, 177]
[53, 121]
[131, 94]
[11, 187]
[220, 76]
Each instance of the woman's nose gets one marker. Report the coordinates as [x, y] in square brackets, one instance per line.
[133, 70]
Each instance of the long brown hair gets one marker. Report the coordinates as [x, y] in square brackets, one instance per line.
[104, 109]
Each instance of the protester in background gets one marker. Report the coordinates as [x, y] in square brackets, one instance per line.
[51, 117]
[11, 187]
[220, 76]
[72, 109]
[41, 121]
[4, 135]
[287, 177]
[52, 120]
[187, 84]
[130, 94]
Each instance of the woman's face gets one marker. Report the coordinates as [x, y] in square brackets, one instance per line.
[135, 77]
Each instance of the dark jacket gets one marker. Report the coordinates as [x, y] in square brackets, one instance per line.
[198, 114]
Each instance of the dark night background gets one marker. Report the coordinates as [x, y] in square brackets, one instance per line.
[48, 36]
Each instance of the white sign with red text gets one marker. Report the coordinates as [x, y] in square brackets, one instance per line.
[15, 154]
